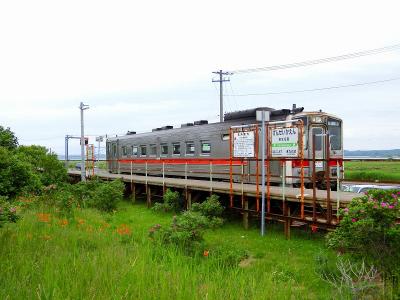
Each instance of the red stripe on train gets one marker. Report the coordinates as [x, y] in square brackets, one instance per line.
[193, 161]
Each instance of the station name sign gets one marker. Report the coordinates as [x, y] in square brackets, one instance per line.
[244, 144]
[285, 142]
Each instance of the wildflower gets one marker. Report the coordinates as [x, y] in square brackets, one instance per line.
[13, 210]
[63, 222]
[314, 228]
[123, 230]
[205, 253]
[383, 204]
[346, 209]
[104, 226]
[45, 218]
[81, 221]
[354, 220]
[391, 206]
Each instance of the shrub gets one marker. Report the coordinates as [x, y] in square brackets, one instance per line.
[106, 195]
[369, 229]
[186, 231]
[43, 163]
[209, 208]
[95, 193]
[8, 213]
[16, 175]
[349, 278]
[212, 209]
[171, 202]
[8, 139]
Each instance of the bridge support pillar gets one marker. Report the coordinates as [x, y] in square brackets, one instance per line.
[246, 214]
[188, 199]
[148, 196]
[133, 192]
[288, 222]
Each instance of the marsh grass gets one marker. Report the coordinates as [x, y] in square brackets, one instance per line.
[97, 255]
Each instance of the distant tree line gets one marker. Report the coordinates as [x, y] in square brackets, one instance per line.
[373, 153]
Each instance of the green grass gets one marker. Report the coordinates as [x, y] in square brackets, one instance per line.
[92, 261]
[382, 171]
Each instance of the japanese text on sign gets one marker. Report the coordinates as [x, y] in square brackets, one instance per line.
[243, 144]
[285, 142]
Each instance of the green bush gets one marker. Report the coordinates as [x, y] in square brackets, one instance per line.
[107, 194]
[209, 208]
[370, 230]
[171, 202]
[16, 175]
[102, 195]
[212, 209]
[186, 231]
[43, 163]
[8, 213]
[8, 139]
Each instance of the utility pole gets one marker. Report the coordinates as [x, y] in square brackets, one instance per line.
[66, 158]
[221, 95]
[83, 107]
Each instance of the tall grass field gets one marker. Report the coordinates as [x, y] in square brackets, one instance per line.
[382, 171]
[96, 255]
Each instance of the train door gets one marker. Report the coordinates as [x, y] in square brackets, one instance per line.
[318, 133]
[114, 157]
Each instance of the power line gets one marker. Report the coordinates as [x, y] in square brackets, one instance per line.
[320, 61]
[318, 89]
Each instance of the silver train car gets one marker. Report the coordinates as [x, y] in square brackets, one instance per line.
[200, 150]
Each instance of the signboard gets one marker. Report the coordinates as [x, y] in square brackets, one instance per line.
[285, 142]
[90, 152]
[243, 144]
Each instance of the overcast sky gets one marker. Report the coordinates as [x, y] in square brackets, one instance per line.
[146, 64]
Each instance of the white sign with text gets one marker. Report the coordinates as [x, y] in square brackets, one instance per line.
[285, 142]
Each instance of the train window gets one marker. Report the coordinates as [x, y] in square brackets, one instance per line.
[153, 150]
[205, 147]
[335, 134]
[134, 150]
[164, 149]
[317, 131]
[143, 150]
[114, 150]
[124, 152]
[190, 148]
[176, 148]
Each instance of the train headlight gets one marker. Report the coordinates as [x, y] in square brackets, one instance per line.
[316, 119]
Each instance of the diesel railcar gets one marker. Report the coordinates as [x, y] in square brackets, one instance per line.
[200, 150]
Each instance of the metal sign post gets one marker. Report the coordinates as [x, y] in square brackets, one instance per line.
[264, 117]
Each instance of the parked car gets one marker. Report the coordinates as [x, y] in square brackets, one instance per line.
[363, 188]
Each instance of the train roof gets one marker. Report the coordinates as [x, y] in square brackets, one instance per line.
[242, 117]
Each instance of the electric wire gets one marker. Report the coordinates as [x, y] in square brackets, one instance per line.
[319, 89]
[319, 61]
